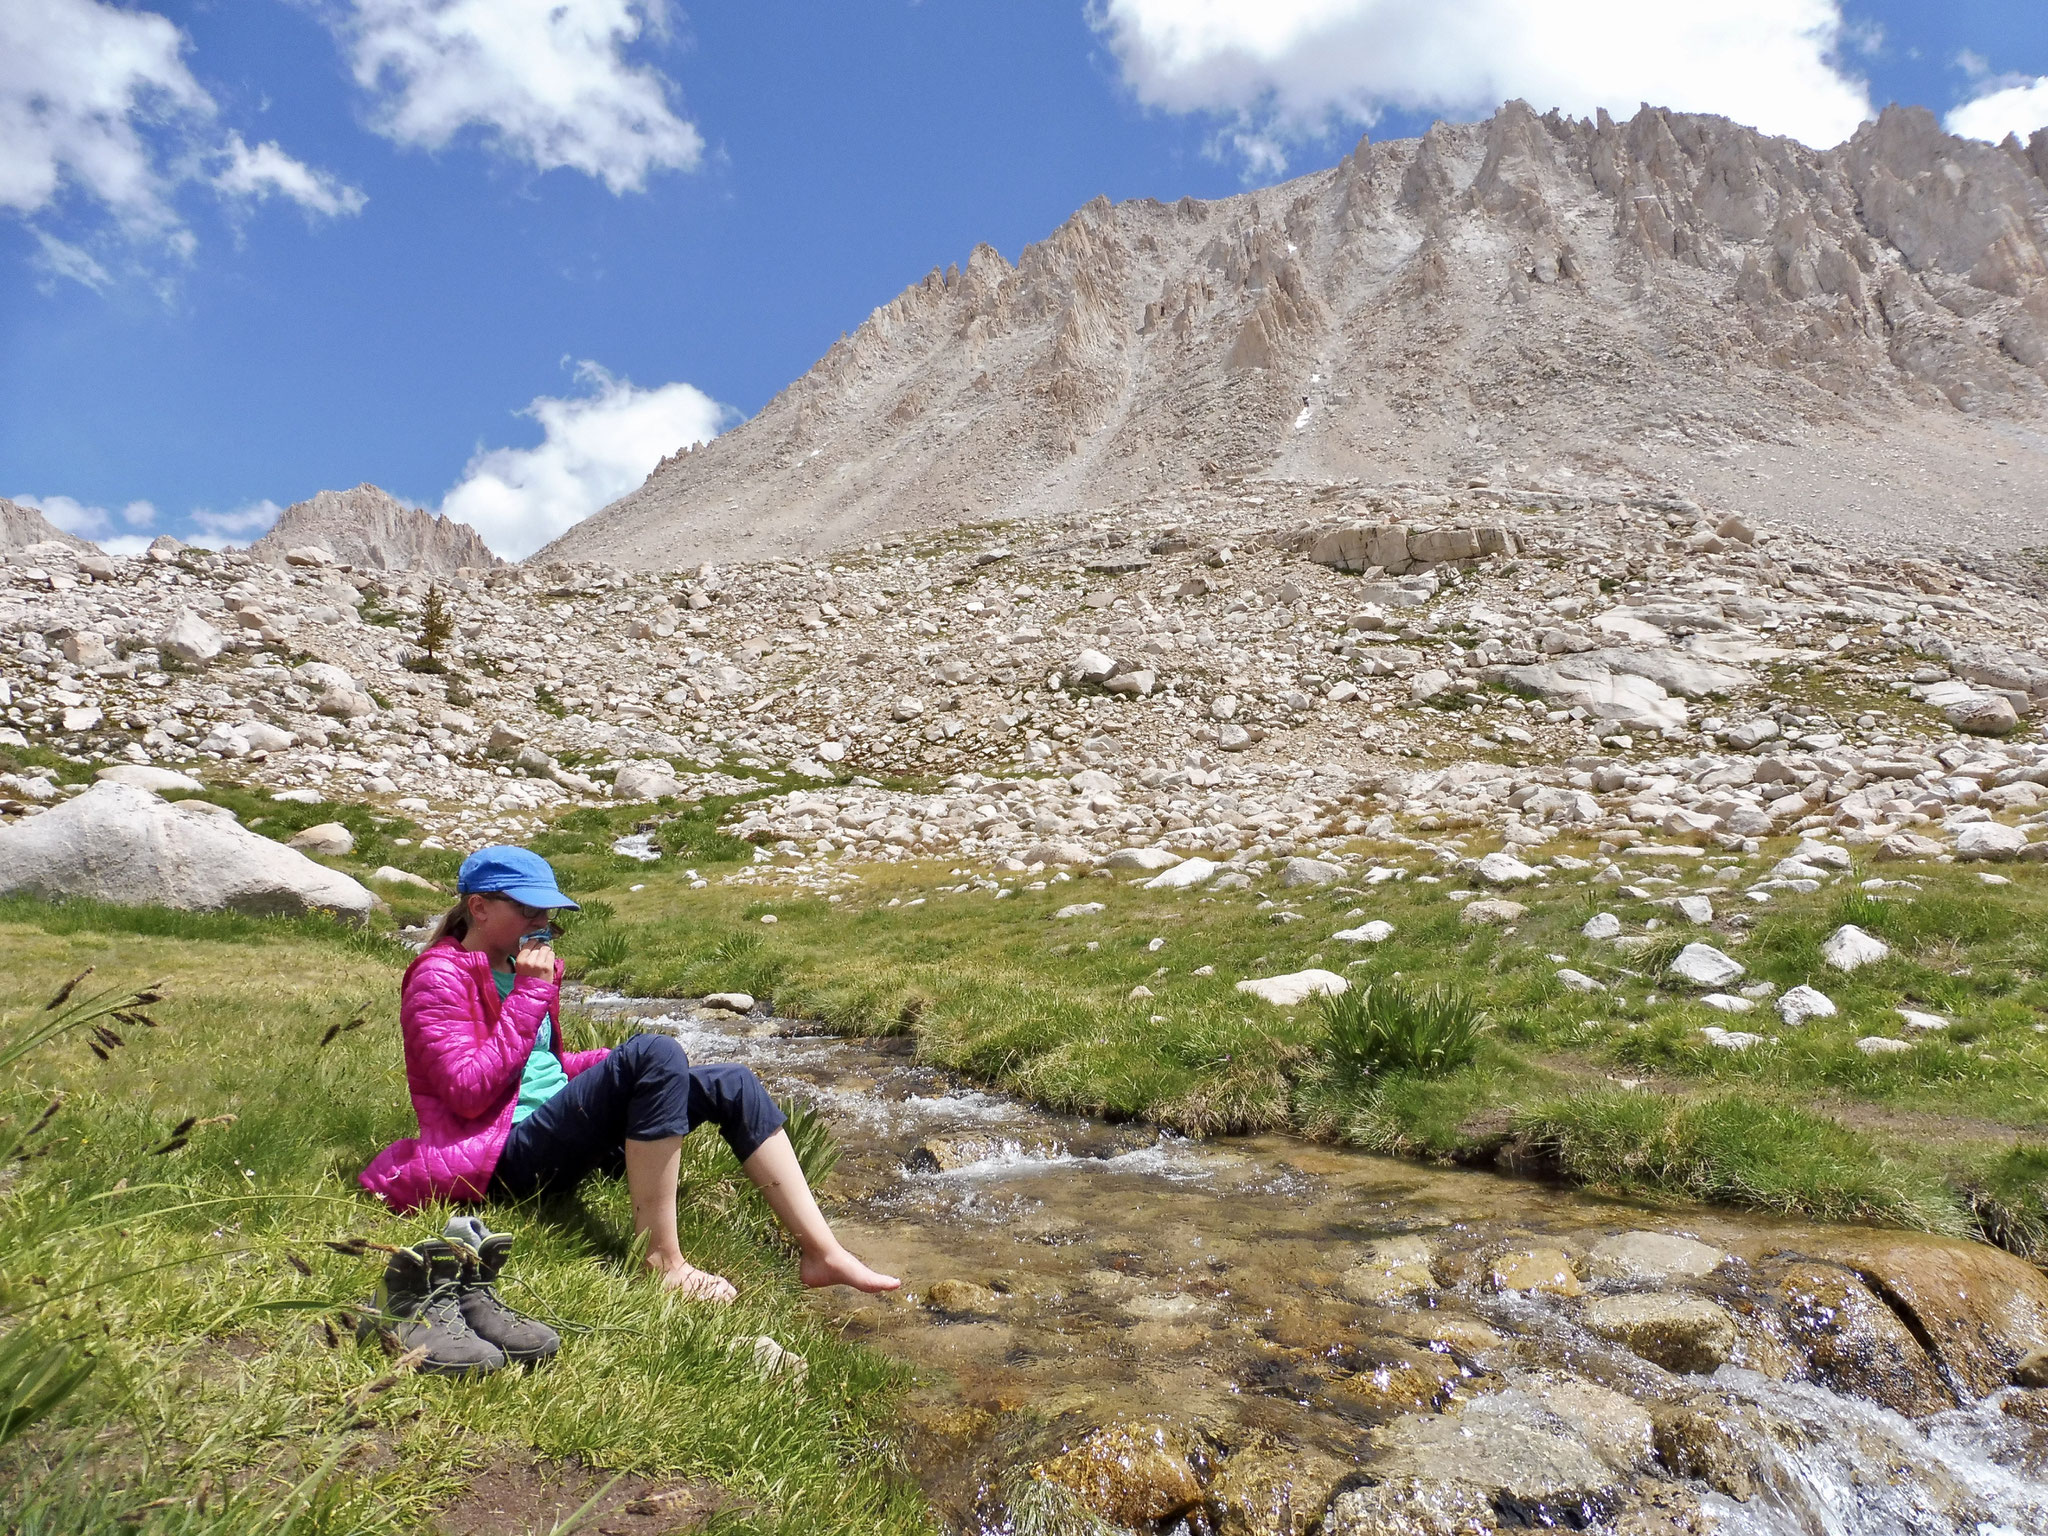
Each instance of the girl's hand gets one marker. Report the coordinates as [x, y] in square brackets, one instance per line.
[535, 960]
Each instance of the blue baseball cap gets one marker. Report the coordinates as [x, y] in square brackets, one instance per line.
[519, 873]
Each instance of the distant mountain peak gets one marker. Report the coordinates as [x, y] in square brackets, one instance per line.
[1534, 297]
[22, 526]
[371, 529]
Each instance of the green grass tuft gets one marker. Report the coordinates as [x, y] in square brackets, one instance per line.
[1387, 1026]
[1737, 1150]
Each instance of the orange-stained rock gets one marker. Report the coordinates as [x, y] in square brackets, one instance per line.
[1980, 1309]
[1134, 1472]
[1852, 1341]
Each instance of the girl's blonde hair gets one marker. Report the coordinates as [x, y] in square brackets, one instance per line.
[454, 923]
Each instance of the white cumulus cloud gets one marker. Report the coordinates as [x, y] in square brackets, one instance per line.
[547, 81]
[89, 522]
[266, 171]
[98, 108]
[1290, 69]
[2010, 106]
[234, 528]
[595, 447]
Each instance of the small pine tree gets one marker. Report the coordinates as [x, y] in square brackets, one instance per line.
[437, 625]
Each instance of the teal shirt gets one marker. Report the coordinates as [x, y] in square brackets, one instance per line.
[543, 1077]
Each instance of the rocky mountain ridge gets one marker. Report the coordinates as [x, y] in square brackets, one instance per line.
[1857, 338]
[368, 528]
[22, 526]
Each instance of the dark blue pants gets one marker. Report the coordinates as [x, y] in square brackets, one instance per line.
[644, 1090]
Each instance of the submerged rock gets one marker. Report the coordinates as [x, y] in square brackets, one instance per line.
[1849, 1340]
[1646, 1257]
[1548, 1270]
[1982, 1311]
[1524, 1466]
[1135, 1473]
[1393, 1268]
[1681, 1333]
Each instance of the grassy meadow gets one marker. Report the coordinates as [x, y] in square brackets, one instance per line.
[195, 1267]
[202, 1283]
[1616, 1088]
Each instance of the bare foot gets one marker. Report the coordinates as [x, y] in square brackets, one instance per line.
[841, 1268]
[695, 1283]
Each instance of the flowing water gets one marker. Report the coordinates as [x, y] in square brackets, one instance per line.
[1176, 1330]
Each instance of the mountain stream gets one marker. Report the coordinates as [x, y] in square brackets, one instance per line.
[1114, 1329]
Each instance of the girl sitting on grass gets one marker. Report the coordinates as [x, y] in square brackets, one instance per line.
[505, 1112]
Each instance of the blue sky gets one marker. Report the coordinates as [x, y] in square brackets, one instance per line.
[281, 245]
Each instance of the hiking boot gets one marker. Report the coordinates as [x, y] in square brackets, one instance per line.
[523, 1340]
[418, 1306]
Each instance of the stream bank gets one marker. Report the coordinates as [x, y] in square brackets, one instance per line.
[1254, 1335]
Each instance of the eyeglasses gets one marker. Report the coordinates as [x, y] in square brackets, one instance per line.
[531, 914]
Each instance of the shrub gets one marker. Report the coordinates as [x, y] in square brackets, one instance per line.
[1388, 1027]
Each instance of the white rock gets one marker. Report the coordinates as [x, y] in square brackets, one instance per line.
[1186, 873]
[329, 837]
[1090, 667]
[1731, 1039]
[1139, 683]
[1142, 858]
[191, 640]
[86, 717]
[1694, 909]
[1425, 686]
[1060, 855]
[1286, 991]
[1981, 714]
[391, 874]
[732, 1002]
[638, 781]
[141, 776]
[1504, 869]
[1298, 872]
[1879, 1045]
[263, 737]
[1705, 966]
[1824, 854]
[1093, 781]
[1803, 1003]
[1378, 931]
[1921, 1020]
[1635, 1258]
[83, 648]
[121, 844]
[345, 704]
[1849, 947]
[1079, 909]
[1728, 1002]
[906, 708]
[298, 797]
[1990, 840]
[1602, 925]
[1579, 981]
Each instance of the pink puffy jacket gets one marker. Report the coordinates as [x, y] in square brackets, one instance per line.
[465, 1049]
